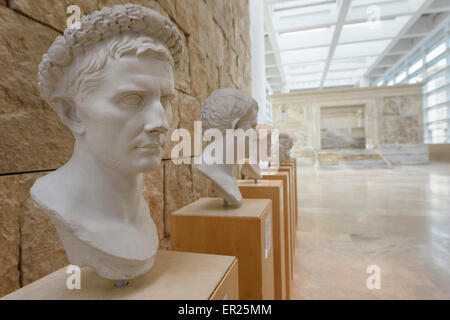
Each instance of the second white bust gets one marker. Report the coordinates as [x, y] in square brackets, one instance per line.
[111, 82]
[227, 109]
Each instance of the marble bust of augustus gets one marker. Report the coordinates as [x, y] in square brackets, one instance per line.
[111, 82]
[227, 109]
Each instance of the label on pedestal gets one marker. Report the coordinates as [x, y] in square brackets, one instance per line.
[268, 224]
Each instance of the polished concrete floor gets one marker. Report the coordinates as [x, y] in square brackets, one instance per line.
[397, 219]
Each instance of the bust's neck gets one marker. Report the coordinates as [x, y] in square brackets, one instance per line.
[98, 205]
[105, 192]
[222, 176]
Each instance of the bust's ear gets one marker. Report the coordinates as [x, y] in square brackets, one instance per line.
[67, 111]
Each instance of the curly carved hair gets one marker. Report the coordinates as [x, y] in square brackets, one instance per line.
[127, 21]
[224, 106]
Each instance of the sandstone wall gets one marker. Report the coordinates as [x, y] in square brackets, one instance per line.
[33, 141]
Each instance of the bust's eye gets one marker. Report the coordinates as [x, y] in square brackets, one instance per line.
[132, 100]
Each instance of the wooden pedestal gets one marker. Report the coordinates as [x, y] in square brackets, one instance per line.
[175, 276]
[245, 232]
[288, 236]
[273, 189]
[290, 171]
[293, 164]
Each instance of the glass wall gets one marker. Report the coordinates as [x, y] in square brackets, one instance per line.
[429, 64]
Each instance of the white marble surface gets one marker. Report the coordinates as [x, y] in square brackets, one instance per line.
[405, 154]
[398, 219]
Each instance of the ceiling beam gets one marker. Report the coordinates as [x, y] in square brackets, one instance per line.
[388, 61]
[268, 24]
[438, 6]
[279, 1]
[378, 71]
[305, 5]
[342, 13]
[439, 22]
[275, 83]
[344, 78]
[403, 31]
[321, 60]
[403, 46]
[352, 21]
[335, 70]
[379, 3]
[421, 26]
[327, 45]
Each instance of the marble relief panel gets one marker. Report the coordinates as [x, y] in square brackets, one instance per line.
[388, 120]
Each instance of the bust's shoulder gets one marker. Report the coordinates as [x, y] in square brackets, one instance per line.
[43, 188]
[69, 203]
[48, 194]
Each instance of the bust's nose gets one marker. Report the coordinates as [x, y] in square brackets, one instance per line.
[156, 119]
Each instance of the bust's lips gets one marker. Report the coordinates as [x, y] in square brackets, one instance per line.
[150, 147]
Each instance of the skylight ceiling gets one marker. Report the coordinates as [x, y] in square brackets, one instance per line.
[331, 43]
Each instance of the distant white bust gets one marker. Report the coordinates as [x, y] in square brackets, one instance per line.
[286, 144]
[227, 109]
[111, 82]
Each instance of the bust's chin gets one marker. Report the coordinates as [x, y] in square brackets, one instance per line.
[149, 163]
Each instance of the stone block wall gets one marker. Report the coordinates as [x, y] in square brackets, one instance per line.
[33, 141]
